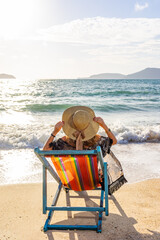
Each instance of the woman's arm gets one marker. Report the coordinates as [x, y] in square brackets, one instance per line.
[101, 122]
[57, 128]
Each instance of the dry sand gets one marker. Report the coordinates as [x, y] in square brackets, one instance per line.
[134, 213]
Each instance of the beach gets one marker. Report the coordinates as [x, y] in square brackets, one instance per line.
[134, 213]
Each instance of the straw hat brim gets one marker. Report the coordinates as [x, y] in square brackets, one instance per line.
[69, 127]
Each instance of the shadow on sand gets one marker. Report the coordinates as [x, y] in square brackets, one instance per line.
[114, 227]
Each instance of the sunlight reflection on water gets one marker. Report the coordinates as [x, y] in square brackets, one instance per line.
[19, 166]
[12, 117]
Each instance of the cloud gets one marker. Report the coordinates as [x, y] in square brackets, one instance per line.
[103, 31]
[87, 46]
[110, 41]
[139, 7]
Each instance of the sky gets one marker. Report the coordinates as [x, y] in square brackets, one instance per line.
[78, 38]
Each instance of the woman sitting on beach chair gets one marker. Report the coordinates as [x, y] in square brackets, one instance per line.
[80, 125]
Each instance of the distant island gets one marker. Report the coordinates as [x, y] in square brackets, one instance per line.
[147, 73]
[6, 76]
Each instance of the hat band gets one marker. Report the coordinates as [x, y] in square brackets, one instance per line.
[77, 132]
[79, 135]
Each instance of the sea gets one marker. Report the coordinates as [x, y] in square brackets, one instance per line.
[29, 109]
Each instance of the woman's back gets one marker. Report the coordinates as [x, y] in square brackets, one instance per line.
[66, 143]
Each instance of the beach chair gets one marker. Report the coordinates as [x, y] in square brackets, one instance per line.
[78, 171]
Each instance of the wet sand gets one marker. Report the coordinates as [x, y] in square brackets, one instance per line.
[134, 213]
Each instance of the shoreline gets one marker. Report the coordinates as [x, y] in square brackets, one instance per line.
[133, 212]
[139, 162]
[54, 182]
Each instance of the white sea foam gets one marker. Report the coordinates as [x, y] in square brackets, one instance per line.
[139, 162]
[33, 135]
[138, 134]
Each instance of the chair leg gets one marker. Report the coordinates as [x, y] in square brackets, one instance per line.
[44, 189]
[99, 225]
[106, 188]
[50, 214]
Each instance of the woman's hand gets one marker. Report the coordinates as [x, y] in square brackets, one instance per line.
[100, 121]
[58, 127]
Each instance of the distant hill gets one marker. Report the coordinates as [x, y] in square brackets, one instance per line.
[148, 73]
[5, 76]
[108, 76]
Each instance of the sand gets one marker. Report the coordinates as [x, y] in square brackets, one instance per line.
[134, 213]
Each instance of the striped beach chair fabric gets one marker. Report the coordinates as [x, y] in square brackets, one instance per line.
[78, 171]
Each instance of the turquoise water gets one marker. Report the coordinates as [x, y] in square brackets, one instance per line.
[101, 95]
[30, 109]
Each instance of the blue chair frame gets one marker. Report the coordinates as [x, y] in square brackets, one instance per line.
[104, 190]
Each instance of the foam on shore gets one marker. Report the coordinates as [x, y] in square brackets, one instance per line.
[139, 161]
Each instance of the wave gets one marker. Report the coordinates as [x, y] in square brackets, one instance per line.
[46, 107]
[139, 136]
[91, 92]
[31, 137]
[117, 108]
[110, 107]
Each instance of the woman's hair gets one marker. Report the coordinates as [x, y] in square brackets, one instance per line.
[89, 143]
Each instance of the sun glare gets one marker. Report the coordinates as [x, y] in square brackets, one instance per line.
[16, 17]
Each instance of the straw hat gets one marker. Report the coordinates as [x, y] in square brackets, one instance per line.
[79, 118]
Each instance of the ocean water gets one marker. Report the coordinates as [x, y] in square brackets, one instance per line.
[29, 110]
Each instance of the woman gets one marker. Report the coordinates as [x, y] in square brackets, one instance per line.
[81, 126]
